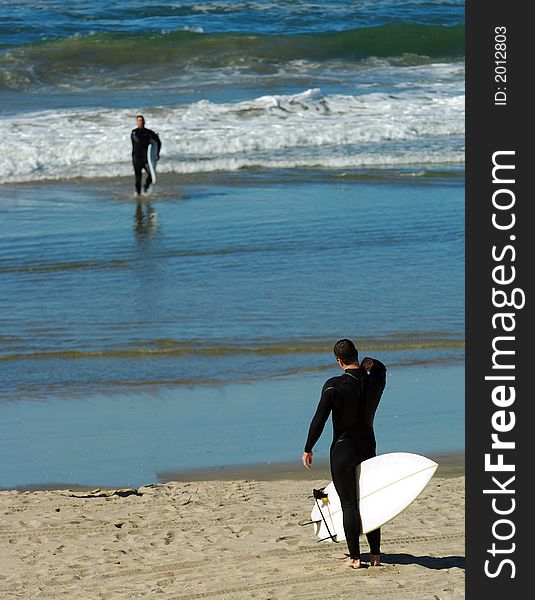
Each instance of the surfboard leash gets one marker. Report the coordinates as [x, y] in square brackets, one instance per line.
[321, 495]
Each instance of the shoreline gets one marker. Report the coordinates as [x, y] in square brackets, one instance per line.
[449, 465]
[404, 174]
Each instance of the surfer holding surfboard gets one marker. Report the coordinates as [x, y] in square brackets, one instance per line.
[146, 147]
[353, 399]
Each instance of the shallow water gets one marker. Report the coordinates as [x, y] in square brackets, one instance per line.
[97, 295]
[128, 439]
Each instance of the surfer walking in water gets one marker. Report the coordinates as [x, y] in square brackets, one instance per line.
[141, 139]
[352, 398]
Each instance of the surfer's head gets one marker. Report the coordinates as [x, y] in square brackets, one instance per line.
[140, 121]
[346, 353]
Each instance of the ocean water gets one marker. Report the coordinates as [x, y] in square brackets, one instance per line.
[310, 188]
[231, 85]
[252, 279]
[130, 439]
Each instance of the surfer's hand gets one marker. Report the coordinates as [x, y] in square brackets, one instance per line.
[307, 460]
[367, 363]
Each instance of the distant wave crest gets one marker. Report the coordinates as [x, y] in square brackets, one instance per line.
[113, 59]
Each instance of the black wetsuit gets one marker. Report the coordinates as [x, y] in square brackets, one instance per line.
[353, 399]
[141, 138]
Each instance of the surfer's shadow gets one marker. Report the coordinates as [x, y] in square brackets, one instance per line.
[430, 562]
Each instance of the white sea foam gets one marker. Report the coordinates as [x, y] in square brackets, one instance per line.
[302, 130]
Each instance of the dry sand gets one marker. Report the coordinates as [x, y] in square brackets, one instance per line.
[220, 539]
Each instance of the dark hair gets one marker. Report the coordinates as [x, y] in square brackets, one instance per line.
[345, 350]
[142, 117]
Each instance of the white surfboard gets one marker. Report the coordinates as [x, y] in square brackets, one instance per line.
[386, 485]
[152, 153]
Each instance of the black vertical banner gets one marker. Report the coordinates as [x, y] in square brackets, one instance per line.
[499, 270]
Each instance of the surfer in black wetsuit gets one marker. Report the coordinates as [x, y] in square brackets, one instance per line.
[353, 399]
[141, 138]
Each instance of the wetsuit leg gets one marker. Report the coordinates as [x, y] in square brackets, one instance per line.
[373, 537]
[345, 456]
[148, 181]
[138, 171]
[374, 540]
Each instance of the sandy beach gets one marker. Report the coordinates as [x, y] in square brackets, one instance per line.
[221, 539]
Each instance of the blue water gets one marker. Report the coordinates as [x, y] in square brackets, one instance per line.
[31, 21]
[310, 188]
[96, 293]
[130, 440]
[230, 86]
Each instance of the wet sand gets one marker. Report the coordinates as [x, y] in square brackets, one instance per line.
[449, 465]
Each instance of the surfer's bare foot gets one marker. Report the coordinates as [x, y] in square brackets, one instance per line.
[375, 560]
[354, 563]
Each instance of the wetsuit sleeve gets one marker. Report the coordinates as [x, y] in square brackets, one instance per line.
[154, 136]
[376, 380]
[320, 418]
[375, 384]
